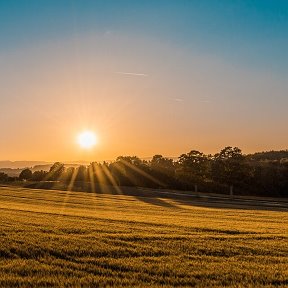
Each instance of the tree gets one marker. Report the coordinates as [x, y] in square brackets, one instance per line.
[193, 167]
[56, 171]
[132, 171]
[39, 175]
[195, 162]
[126, 170]
[163, 169]
[100, 173]
[81, 174]
[69, 175]
[162, 164]
[3, 177]
[230, 167]
[25, 174]
[133, 160]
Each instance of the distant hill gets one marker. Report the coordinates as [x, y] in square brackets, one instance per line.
[21, 164]
[15, 172]
[48, 166]
[40, 165]
[269, 155]
[11, 172]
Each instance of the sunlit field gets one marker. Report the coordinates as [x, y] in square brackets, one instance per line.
[77, 239]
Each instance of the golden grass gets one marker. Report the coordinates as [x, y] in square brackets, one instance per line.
[70, 239]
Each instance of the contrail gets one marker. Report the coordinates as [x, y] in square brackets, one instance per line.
[132, 74]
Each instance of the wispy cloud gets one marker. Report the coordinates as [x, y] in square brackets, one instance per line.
[205, 101]
[178, 99]
[132, 74]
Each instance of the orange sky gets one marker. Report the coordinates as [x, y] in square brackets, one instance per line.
[140, 95]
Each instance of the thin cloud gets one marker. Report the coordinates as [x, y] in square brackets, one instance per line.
[132, 74]
[178, 99]
[205, 101]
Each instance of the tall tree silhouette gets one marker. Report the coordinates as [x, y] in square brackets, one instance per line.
[56, 171]
[193, 167]
[230, 167]
[25, 174]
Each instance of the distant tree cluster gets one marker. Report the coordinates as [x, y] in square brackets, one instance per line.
[227, 171]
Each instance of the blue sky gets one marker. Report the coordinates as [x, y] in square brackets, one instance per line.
[251, 31]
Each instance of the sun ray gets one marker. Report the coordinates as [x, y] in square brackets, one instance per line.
[100, 178]
[130, 177]
[112, 180]
[103, 180]
[72, 180]
[69, 189]
[143, 173]
[91, 176]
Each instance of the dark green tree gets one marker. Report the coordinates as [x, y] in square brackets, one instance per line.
[56, 171]
[193, 167]
[163, 164]
[230, 167]
[4, 177]
[25, 174]
[39, 175]
[82, 174]
[163, 169]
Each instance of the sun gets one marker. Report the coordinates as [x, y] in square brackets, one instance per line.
[87, 139]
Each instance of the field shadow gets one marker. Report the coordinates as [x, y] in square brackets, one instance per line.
[180, 198]
[157, 197]
[231, 204]
[157, 201]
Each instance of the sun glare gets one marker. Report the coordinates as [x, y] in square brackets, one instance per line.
[87, 139]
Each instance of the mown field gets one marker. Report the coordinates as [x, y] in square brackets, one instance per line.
[77, 239]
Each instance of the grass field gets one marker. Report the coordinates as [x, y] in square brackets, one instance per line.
[77, 239]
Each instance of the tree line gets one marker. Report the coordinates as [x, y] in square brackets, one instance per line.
[228, 171]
